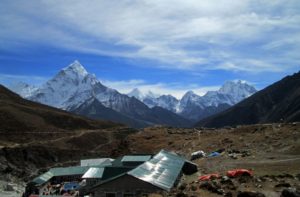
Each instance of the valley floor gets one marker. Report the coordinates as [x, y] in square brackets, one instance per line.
[272, 151]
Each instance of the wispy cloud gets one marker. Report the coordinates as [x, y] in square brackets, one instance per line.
[181, 35]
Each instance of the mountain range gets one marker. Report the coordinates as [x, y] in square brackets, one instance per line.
[74, 89]
[278, 102]
[195, 107]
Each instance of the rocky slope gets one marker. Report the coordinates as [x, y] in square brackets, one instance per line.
[35, 136]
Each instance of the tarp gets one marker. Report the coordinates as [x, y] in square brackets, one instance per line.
[239, 172]
[214, 154]
[208, 177]
[71, 186]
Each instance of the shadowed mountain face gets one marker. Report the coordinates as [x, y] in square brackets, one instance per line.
[18, 114]
[94, 109]
[278, 102]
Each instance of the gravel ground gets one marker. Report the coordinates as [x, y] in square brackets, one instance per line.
[18, 189]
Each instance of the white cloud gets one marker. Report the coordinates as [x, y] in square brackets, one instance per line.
[175, 89]
[178, 35]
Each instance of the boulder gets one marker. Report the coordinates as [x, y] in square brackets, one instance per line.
[9, 188]
[290, 192]
[250, 194]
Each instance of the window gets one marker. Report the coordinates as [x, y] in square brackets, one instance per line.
[110, 194]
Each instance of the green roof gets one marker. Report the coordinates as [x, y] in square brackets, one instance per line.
[67, 171]
[74, 170]
[43, 178]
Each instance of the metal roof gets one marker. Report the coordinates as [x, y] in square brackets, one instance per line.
[94, 173]
[95, 162]
[67, 171]
[135, 158]
[73, 170]
[43, 178]
[162, 170]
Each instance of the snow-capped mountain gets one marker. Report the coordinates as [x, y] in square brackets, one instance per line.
[195, 107]
[151, 99]
[229, 94]
[23, 89]
[73, 86]
[238, 90]
[67, 89]
[168, 102]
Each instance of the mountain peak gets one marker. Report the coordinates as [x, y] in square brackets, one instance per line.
[231, 87]
[76, 67]
[239, 90]
[22, 88]
[136, 93]
[189, 93]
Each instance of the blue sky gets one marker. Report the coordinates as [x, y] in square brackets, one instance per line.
[161, 45]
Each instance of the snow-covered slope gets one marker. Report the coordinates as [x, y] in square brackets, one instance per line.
[23, 89]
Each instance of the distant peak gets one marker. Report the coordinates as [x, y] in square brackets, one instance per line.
[237, 87]
[76, 67]
[135, 90]
[190, 92]
[136, 93]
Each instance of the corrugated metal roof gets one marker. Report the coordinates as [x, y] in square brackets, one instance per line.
[135, 158]
[74, 170]
[94, 173]
[162, 170]
[95, 162]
